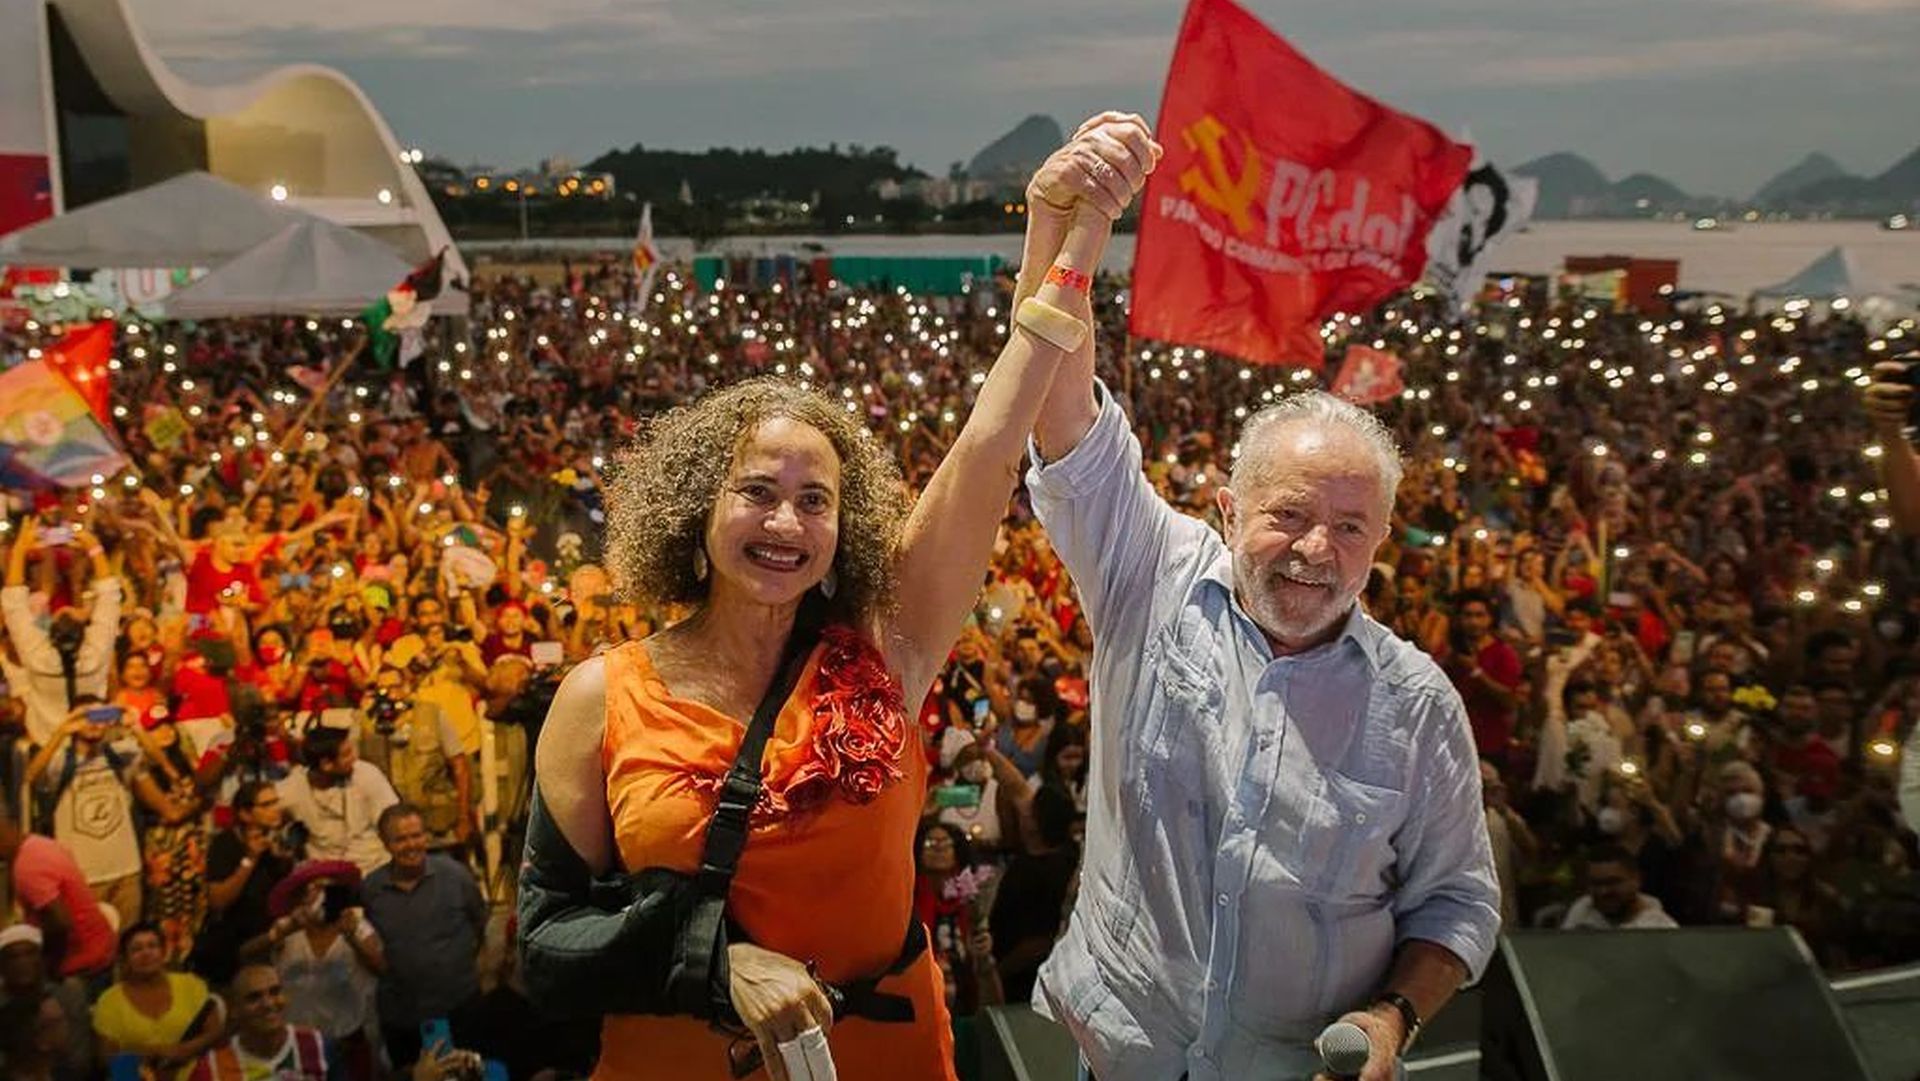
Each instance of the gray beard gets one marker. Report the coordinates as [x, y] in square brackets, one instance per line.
[1262, 608]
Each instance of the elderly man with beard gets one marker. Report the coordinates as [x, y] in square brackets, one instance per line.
[1284, 823]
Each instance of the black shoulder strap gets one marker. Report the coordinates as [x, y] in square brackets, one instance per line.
[69, 673]
[727, 831]
[698, 983]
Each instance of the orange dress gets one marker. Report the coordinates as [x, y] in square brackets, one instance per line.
[829, 880]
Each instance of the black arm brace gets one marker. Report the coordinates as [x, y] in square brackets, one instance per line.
[606, 945]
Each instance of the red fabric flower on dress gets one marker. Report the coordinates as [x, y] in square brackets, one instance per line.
[859, 733]
[860, 719]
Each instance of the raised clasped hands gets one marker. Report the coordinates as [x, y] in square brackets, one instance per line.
[1103, 166]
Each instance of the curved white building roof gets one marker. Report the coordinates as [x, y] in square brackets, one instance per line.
[306, 128]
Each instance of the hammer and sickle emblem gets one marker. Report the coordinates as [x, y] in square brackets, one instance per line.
[1216, 186]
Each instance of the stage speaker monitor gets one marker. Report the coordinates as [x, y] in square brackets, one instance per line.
[1017, 1044]
[1700, 1004]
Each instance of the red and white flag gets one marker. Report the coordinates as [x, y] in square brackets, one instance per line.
[83, 357]
[1368, 376]
[646, 255]
[1284, 197]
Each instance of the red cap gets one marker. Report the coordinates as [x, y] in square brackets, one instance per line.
[286, 892]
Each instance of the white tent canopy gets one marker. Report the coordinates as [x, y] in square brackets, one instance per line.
[312, 267]
[191, 220]
[1832, 276]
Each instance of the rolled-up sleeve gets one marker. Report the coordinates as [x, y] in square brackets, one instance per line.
[96, 649]
[29, 641]
[1449, 894]
[1111, 529]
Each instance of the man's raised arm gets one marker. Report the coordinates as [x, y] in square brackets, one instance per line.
[1070, 409]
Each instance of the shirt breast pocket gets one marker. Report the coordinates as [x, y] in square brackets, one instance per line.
[1182, 727]
[1350, 839]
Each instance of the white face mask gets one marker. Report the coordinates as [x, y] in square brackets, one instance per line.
[976, 772]
[1743, 806]
[1612, 820]
[1025, 711]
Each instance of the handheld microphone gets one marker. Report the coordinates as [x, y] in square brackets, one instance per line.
[1344, 1048]
[807, 1057]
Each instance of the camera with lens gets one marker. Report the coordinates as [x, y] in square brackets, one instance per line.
[335, 899]
[252, 730]
[528, 708]
[67, 633]
[249, 708]
[385, 710]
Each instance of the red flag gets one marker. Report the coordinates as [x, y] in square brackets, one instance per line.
[81, 356]
[1284, 196]
[1368, 376]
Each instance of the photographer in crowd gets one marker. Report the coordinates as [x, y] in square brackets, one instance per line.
[245, 862]
[82, 781]
[338, 799]
[73, 654]
[412, 739]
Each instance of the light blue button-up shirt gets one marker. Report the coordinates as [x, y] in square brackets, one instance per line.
[1261, 831]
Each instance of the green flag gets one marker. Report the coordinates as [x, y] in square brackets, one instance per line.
[395, 321]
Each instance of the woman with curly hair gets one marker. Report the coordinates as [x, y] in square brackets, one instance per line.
[765, 507]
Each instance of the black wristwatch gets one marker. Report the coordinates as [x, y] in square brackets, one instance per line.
[1409, 1016]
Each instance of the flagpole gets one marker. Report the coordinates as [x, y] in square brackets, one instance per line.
[298, 424]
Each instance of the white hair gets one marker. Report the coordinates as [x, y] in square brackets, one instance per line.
[1322, 410]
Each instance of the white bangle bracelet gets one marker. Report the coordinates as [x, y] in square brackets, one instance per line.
[1051, 325]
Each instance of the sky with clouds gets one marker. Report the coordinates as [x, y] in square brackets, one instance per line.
[1716, 95]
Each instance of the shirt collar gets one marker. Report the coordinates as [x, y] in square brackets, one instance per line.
[1361, 629]
[389, 882]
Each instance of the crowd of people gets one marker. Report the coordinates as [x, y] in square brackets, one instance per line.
[271, 691]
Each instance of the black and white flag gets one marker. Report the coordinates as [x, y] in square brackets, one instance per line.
[1489, 207]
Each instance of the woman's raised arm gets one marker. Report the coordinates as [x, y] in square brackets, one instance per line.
[1083, 186]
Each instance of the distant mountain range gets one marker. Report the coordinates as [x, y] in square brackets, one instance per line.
[1812, 169]
[1895, 191]
[1573, 187]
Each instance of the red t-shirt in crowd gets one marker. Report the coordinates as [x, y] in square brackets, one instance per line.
[1812, 759]
[496, 647]
[328, 685]
[205, 582]
[203, 694]
[44, 872]
[199, 692]
[1492, 722]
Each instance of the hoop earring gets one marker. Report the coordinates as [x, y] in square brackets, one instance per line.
[830, 584]
[700, 568]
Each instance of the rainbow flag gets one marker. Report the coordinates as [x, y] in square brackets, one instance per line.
[49, 437]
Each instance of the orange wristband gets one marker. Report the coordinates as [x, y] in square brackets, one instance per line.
[1068, 278]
